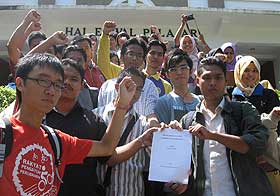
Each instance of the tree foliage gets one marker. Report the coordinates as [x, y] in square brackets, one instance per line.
[7, 96]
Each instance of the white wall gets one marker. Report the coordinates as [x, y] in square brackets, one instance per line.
[198, 3]
[249, 4]
[65, 2]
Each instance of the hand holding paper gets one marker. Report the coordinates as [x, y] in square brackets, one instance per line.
[171, 156]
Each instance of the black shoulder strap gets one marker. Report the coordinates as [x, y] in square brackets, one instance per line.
[123, 138]
[7, 136]
[93, 93]
[187, 120]
[56, 145]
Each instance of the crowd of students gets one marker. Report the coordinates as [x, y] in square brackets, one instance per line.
[106, 97]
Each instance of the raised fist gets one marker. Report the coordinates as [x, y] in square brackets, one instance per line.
[108, 27]
[32, 16]
[59, 38]
[35, 26]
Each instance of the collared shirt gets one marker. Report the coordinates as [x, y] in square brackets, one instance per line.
[218, 176]
[173, 107]
[144, 106]
[94, 76]
[126, 177]
[162, 85]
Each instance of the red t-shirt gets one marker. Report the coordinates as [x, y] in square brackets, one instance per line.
[29, 169]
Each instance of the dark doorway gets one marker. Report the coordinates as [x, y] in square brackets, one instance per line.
[267, 72]
[5, 71]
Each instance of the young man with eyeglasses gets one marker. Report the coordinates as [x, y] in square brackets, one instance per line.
[29, 169]
[133, 54]
[180, 101]
[155, 55]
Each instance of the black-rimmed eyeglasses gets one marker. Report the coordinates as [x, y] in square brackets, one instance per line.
[47, 83]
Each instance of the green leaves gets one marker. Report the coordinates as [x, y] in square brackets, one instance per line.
[7, 96]
[278, 92]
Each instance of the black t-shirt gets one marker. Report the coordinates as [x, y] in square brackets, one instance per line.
[84, 124]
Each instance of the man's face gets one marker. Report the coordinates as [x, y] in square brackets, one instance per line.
[113, 42]
[85, 45]
[122, 40]
[35, 42]
[155, 57]
[35, 96]
[134, 56]
[77, 56]
[72, 82]
[212, 83]
[179, 75]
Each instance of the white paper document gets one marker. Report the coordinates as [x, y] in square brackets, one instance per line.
[171, 156]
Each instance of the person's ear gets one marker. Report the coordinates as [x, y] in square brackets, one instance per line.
[19, 83]
[83, 85]
[197, 81]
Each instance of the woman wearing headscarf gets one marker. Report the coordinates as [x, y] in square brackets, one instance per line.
[188, 45]
[229, 50]
[248, 88]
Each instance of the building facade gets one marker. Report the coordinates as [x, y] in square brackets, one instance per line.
[253, 25]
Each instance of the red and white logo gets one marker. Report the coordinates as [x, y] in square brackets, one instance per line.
[33, 173]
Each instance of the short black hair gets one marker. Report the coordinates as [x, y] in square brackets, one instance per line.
[156, 43]
[28, 62]
[130, 71]
[176, 56]
[79, 38]
[114, 53]
[75, 65]
[91, 36]
[214, 51]
[122, 34]
[73, 48]
[35, 35]
[211, 61]
[144, 37]
[113, 34]
[134, 41]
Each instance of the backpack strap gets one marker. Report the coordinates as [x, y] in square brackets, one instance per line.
[7, 136]
[56, 145]
[129, 127]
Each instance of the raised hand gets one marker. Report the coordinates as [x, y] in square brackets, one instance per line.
[154, 29]
[126, 91]
[184, 19]
[34, 26]
[108, 27]
[59, 38]
[32, 16]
